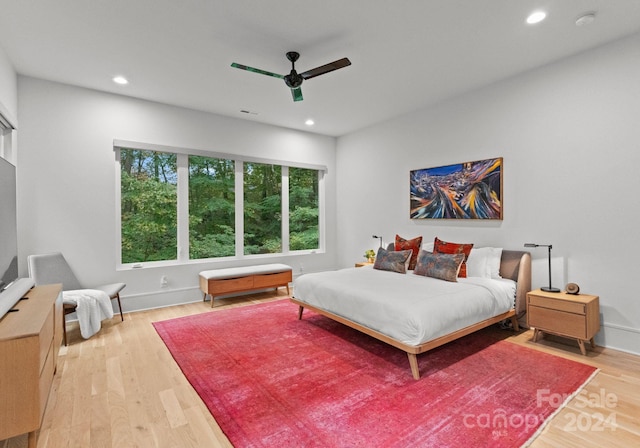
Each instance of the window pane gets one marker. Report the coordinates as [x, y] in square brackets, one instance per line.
[148, 202]
[211, 207]
[303, 209]
[262, 208]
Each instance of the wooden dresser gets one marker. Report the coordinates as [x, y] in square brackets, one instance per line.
[29, 342]
[573, 316]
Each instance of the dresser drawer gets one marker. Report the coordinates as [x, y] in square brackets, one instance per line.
[557, 304]
[46, 378]
[559, 322]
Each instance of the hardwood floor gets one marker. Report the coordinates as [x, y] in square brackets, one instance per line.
[122, 388]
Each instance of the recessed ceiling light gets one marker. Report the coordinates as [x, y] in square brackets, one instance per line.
[120, 80]
[309, 122]
[536, 17]
[586, 19]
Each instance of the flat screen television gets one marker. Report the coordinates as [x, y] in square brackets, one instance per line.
[8, 226]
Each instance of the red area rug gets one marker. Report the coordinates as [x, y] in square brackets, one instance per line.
[271, 380]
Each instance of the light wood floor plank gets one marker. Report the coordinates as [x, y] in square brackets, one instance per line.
[122, 388]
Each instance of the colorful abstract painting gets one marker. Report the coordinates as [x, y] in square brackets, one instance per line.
[470, 190]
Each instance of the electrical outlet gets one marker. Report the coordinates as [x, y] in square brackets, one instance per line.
[164, 281]
[301, 268]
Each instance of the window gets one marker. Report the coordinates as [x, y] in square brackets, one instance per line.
[148, 206]
[262, 208]
[178, 206]
[211, 207]
[303, 209]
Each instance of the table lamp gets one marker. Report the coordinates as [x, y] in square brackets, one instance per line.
[376, 236]
[545, 288]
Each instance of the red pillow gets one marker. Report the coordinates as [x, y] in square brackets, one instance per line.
[443, 247]
[414, 245]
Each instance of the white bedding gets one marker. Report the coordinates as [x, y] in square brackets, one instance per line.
[409, 308]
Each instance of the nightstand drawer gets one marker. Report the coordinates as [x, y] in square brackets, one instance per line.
[559, 322]
[557, 304]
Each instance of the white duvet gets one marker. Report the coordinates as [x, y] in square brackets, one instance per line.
[410, 308]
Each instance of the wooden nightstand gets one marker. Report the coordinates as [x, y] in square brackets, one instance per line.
[573, 316]
[363, 263]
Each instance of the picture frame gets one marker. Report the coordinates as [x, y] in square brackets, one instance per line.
[469, 190]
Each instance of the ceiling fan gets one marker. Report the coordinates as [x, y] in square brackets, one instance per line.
[294, 79]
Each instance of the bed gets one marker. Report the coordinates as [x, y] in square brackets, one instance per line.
[416, 313]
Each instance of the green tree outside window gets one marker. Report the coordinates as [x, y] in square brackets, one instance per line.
[211, 207]
[148, 183]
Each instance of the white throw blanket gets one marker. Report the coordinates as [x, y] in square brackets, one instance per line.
[92, 307]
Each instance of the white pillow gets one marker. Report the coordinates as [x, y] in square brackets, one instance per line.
[493, 262]
[427, 246]
[477, 263]
[484, 262]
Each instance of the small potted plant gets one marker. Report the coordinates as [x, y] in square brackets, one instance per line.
[370, 255]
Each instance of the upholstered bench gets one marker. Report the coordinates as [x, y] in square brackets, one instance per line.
[219, 282]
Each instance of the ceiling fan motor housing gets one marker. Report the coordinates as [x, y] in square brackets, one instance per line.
[293, 79]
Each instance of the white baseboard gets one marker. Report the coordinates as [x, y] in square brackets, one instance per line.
[164, 298]
[160, 299]
[618, 337]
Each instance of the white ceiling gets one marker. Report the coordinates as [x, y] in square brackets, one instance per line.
[405, 54]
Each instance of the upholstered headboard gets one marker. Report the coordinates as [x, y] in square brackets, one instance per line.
[516, 265]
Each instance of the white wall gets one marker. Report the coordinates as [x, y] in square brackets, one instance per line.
[67, 179]
[570, 137]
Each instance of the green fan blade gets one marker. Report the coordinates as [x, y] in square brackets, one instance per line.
[297, 94]
[256, 70]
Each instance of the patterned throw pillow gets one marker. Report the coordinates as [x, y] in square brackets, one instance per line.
[395, 261]
[441, 266]
[414, 245]
[443, 247]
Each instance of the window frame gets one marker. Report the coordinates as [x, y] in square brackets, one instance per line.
[182, 168]
[6, 137]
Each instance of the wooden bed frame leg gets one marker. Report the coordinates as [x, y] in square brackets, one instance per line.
[413, 362]
[300, 310]
[514, 322]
